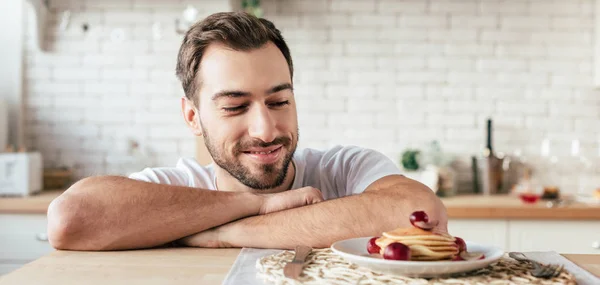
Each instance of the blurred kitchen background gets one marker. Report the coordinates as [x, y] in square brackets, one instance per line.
[99, 93]
[469, 97]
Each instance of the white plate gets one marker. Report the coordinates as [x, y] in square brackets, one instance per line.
[355, 251]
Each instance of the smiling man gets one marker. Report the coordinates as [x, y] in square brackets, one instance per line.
[236, 71]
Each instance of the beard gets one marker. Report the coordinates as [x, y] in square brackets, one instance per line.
[271, 176]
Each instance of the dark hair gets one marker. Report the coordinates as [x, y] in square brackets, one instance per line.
[237, 30]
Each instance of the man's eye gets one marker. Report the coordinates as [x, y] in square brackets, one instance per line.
[234, 109]
[280, 104]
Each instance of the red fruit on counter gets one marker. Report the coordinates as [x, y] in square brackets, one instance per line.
[529, 198]
[462, 246]
[396, 251]
[372, 247]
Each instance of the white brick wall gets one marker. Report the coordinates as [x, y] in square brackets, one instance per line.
[384, 74]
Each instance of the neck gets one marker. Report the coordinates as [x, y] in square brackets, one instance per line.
[226, 182]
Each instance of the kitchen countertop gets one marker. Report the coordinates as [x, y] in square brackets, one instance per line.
[155, 266]
[512, 208]
[459, 207]
[36, 204]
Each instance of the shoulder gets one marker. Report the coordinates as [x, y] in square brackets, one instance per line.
[187, 172]
[338, 154]
[348, 152]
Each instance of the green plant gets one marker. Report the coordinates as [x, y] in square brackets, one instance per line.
[410, 159]
[252, 7]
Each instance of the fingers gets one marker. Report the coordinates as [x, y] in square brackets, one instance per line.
[291, 199]
[312, 195]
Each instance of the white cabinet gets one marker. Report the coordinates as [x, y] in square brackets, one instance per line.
[581, 237]
[23, 238]
[560, 236]
[490, 232]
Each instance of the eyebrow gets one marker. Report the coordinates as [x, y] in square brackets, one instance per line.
[237, 93]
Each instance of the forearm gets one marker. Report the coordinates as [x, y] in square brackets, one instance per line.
[319, 225]
[107, 213]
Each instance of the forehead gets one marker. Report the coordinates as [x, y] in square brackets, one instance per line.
[223, 68]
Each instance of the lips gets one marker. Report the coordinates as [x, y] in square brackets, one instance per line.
[262, 150]
[267, 155]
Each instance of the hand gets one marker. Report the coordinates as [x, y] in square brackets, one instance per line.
[271, 203]
[290, 199]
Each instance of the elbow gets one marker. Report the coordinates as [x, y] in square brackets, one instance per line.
[419, 197]
[434, 207]
[61, 224]
[66, 229]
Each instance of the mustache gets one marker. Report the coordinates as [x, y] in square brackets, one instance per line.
[285, 141]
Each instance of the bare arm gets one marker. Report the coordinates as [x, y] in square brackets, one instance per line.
[109, 212]
[385, 205]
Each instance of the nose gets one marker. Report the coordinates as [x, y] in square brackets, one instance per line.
[262, 124]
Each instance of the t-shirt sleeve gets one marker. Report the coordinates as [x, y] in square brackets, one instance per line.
[162, 175]
[188, 172]
[355, 168]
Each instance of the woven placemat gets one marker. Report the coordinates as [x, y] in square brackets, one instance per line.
[325, 267]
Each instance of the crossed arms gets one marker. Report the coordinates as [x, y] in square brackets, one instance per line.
[110, 213]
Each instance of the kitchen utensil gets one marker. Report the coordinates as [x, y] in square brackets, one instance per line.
[475, 170]
[539, 270]
[293, 268]
[20, 173]
[491, 166]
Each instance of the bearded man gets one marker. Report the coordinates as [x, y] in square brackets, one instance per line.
[236, 71]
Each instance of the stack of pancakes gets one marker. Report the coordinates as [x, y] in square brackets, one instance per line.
[424, 245]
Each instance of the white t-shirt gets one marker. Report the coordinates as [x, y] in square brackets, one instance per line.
[337, 172]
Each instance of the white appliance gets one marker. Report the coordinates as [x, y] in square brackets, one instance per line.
[21, 173]
[3, 125]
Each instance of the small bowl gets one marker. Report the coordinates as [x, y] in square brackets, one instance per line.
[529, 198]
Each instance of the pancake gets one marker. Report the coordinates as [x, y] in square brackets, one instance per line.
[416, 233]
[428, 258]
[424, 245]
[423, 250]
[424, 241]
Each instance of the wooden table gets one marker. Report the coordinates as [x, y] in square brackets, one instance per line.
[153, 266]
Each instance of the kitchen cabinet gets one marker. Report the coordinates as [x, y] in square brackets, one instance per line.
[492, 232]
[561, 236]
[569, 237]
[23, 238]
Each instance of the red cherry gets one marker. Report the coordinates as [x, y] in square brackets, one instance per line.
[396, 251]
[418, 216]
[425, 226]
[420, 220]
[462, 246]
[482, 256]
[372, 247]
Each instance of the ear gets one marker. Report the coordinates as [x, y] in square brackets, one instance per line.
[191, 116]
